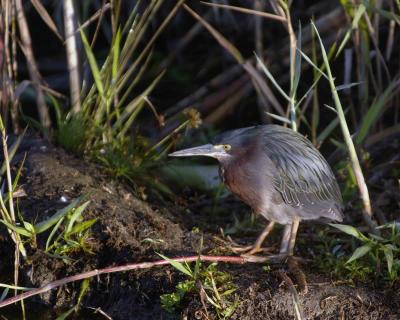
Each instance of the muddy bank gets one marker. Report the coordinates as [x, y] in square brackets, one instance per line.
[131, 230]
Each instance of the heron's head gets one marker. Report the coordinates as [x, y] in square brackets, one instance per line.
[224, 147]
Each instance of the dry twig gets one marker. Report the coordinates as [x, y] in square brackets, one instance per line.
[132, 266]
[32, 66]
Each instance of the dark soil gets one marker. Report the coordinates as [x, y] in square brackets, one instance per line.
[121, 234]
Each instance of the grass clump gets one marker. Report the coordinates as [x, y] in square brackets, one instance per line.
[119, 88]
[71, 234]
[374, 256]
[69, 231]
[214, 288]
[377, 250]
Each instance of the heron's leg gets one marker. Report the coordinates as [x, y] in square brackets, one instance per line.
[283, 252]
[289, 237]
[292, 262]
[286, 254]
[285, 239]
[256, 247]
[293, 233]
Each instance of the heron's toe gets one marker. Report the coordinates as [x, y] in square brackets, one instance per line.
[273, 258]
[241, 249]
[251, 250]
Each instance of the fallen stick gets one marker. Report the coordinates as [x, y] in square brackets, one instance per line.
[131, 266]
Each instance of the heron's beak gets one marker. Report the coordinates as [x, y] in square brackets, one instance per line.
[207, 150]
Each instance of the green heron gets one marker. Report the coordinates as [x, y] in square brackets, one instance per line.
[279, 174]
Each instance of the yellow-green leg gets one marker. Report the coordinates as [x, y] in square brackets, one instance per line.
[289, 238]
[256, 247]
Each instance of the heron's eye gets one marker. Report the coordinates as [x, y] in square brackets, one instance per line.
[227, 147]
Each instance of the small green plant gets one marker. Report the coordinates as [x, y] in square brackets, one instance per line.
[69, 232]
[374, 250]
[214, 287]
[83, 291]
[333, 258]
[7, 207]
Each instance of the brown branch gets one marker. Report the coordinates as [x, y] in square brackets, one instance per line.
[217, 35]
[131, 266]
[245, 10]
[32, 66]
[327, 25]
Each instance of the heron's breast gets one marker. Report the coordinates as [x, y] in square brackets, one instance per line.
[245, 183]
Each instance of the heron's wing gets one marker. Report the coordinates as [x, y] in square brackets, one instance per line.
[303, 177]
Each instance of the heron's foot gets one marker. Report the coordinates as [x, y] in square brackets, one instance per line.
[271, 258]
[250, 250]
[281, 258]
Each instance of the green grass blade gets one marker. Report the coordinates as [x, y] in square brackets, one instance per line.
[271, 78]
[93, 64]
[48, 223]
[297, 68]
[116, 54]
[388, 251]
[305, 57]
[11, 151]
[178, 265]
[362, 186]
[19, 230]
[329, 129]
[348, 86]
[127, 91]
[372, 115]
[127, 113]
[359, 252]
[83, 291]
[18, 175]
[307, 92]
[387, 14]
[77, 213]
[275, 116]
[350, 230]
[66, 314]
[82, 226]
[130, 22]
[52, 233]
[354, 25]
[9, 286]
